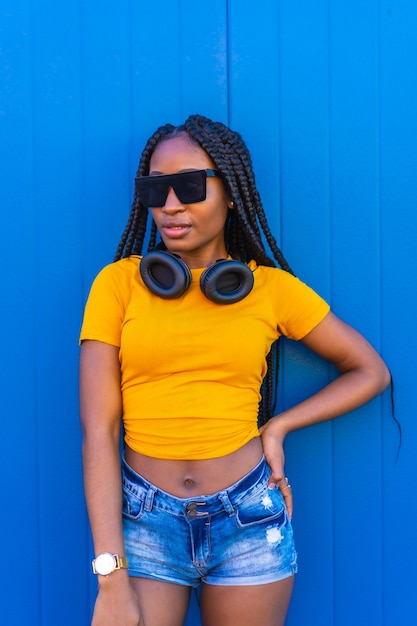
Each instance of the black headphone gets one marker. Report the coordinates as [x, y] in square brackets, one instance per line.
[167, 276]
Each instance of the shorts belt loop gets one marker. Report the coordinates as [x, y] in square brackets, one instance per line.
[149, 499]
[224, 498]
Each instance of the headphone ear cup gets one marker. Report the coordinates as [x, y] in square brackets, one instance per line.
[226, 281]
[164, 274]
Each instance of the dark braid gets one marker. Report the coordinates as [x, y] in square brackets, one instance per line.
[135, 231]
[229, 153]
[246, 225]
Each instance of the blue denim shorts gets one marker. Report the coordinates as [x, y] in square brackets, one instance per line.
[238, 536]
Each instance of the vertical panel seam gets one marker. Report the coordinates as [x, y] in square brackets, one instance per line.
[331, 279]
[228, 61]
[34, 322]
[381, 286]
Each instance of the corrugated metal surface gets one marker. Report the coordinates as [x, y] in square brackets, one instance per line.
[325, 94]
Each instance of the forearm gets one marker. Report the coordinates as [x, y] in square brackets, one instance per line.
[363, 375]
[116, 602]
[103, 492]
[346, 393]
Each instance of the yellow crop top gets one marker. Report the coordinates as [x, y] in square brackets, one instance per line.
[191, 370]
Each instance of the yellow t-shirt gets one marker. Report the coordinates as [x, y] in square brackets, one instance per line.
[191, 370]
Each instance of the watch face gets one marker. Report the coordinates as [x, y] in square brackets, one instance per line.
[105, 564]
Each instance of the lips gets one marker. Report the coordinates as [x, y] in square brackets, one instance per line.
[175, 230]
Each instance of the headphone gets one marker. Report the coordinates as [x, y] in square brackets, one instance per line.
[166, 275]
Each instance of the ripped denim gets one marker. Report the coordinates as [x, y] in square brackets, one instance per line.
[238, 536]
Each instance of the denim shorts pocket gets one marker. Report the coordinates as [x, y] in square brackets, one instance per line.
[133, 502]
[261, 507]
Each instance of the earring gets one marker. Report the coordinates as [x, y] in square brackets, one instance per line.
[231, 205]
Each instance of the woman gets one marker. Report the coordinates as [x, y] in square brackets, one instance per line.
[180, 346]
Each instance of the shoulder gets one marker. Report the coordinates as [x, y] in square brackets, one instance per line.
[107, 301]
[276, 277]
[115, 280]
[298, 308]
[118, 273]
[124, 267]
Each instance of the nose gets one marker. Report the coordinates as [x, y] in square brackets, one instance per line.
[172, 203]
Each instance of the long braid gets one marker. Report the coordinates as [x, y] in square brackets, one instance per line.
[230, 155]
[246, 223]
[136, 228]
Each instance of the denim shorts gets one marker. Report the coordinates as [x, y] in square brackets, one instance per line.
[238, 536]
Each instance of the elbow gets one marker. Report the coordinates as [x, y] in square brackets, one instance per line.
[98, 449]
[380, 377]
[385, 378]
[99, 439]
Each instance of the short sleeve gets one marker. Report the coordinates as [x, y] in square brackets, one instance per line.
[299, 308]
[107, 302]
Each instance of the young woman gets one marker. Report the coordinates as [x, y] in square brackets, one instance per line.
[179, 344]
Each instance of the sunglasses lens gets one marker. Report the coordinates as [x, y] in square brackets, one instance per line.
[152, 191]
[189, 187]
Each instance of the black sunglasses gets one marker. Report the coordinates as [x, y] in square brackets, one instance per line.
[189, 187]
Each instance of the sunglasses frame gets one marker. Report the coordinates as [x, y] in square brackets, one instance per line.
[174, 181]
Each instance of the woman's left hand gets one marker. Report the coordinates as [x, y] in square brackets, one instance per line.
[273, 447]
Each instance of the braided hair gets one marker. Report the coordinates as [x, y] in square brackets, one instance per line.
[246, 227]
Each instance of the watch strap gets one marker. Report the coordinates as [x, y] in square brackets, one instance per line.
[121, 562]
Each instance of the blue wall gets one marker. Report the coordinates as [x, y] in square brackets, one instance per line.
[325, 95]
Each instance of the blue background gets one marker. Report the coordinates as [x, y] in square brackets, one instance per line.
[325, 95]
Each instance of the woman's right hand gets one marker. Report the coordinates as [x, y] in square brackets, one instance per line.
[116, 603]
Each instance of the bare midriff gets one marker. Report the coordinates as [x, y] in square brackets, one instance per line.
[185, 479]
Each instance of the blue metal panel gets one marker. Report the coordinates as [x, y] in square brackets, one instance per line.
[56, 136]
[398, 193]
[19, 482]
[304, 43]
[105, 97]
[254, 97]
[203, 60]
[356, 288]
[325, 95]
